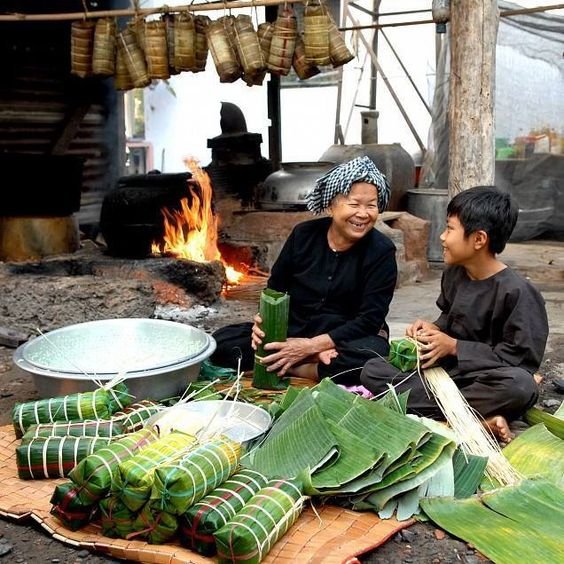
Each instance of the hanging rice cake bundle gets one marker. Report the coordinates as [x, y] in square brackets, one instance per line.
[99, 404]
[179, 485]
[340, 54]
[122, 78]
[156, 49]
[304, 69]
[129, 41]
[94, 475]
[116, 520]
[250, 535]
[203, 519]
[82, 42]
[156, 527]
[249, 50]
[134, 416]
[170, 21]
[104, 51]
[54, 457]
[224, 58]
[316, 33]
[134, 479]
[264, 34]
[283, 41]
[201, 45]
[68, 508]
[93, 428]
[184, 42]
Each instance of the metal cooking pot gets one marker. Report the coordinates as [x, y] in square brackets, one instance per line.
[157, 358]
[287, 188]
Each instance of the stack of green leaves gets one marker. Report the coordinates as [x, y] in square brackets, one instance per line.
[203, 519]
[181, 483]
[94, 475]
[403, 354]
[99, 404]
[54, 457]
[368, 455]
[134, 479]
[249, 536]
[274, 308]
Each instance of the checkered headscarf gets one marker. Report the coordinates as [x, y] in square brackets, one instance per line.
[339, 180]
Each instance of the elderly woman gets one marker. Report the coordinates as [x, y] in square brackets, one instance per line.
[340, 274]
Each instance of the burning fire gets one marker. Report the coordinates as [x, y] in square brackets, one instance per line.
[191, 232]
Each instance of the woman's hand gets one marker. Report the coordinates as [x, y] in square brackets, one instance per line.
[296, 351]
[418, 327]
[435, 345]
[287, 354]
[257, 334]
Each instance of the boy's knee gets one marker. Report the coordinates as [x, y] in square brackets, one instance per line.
[521, 390]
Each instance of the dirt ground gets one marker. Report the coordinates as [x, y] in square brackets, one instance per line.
[24, 542]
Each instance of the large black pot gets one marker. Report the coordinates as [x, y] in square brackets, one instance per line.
[131, 216]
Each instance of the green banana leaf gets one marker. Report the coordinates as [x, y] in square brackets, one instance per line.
[379, 498]
[536, 452]
[356, 457]
[554, 423]
[299, 440]
[468, 473]
[274, 308]
[529, 530]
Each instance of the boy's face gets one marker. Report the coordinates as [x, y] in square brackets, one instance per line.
[457, 249]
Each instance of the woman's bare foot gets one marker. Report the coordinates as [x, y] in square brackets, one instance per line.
[500, 428]
[308, 371]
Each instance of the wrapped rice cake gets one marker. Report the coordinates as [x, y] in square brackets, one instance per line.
[249, 536]
[133, 481]
[94, 475]
[92, 428]
[197, 525]
[54, 457]
[179, 485]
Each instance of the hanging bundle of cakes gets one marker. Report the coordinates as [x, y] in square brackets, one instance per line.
[145, 50]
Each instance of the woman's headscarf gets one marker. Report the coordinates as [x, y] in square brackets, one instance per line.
[339, 180]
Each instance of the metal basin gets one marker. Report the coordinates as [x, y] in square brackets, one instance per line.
[157, 358]
[239, 421]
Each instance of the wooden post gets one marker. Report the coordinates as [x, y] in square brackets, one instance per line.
[473, 32]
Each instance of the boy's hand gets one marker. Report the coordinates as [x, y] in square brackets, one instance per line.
[420, 326]
[436, 345]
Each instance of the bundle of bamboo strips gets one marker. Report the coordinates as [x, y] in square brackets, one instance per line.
[473, 437]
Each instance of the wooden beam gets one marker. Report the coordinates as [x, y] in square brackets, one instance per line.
[473, 32]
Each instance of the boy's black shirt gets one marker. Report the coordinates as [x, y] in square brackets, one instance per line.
[499, 321]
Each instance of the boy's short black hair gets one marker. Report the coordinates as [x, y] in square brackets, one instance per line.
[485, 208]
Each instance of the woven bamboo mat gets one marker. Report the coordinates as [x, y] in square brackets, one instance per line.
[329, 535]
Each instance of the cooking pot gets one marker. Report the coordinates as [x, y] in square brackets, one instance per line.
[157, 358]
[287, 188]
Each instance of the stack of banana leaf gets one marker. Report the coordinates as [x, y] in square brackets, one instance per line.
[361, 453]
[521, 522]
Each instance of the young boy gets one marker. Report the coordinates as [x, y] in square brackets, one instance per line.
[492, 331]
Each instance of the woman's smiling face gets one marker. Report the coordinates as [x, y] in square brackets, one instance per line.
[355, 214]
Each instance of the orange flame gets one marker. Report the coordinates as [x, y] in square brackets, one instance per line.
[191, 232]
